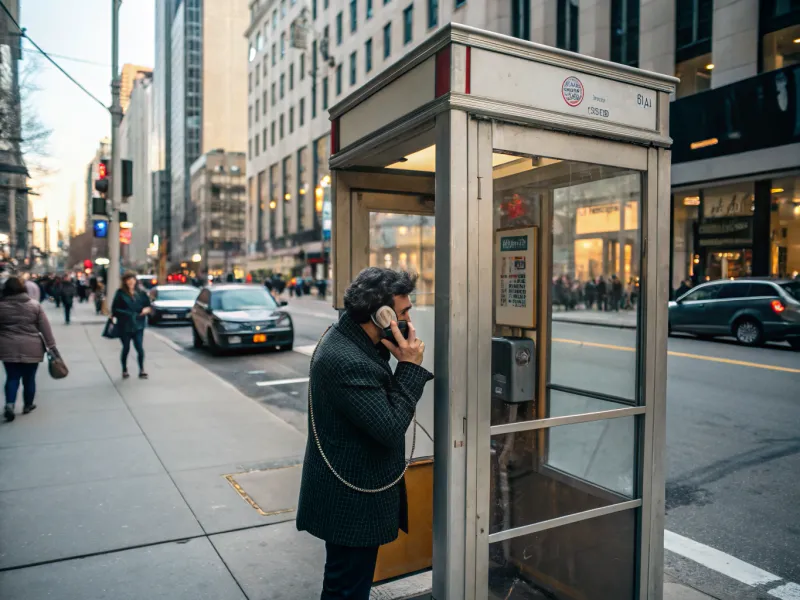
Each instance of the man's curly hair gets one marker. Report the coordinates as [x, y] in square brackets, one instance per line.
[375, 287]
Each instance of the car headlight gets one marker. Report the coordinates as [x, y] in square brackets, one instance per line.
[284, 320]
[231, 326]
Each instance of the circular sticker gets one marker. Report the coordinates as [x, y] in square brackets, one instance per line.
[572, 91]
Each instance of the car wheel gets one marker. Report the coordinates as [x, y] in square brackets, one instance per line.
[197, 341]
[795, 344]
[749, 332]
[213, 347]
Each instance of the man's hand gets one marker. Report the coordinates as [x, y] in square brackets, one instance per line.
[405, 350]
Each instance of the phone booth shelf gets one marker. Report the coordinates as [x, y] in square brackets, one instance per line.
[492, 167]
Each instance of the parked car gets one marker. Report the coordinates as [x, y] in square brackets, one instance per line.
[172, 303]
[227, 316]
[752, 310]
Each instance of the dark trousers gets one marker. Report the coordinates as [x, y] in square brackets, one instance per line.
[348, 572]
[136, 337]
[16, 372]
[67, 309]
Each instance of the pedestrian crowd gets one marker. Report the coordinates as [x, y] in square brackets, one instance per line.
[600, 293]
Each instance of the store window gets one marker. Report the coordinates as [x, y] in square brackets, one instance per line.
[725, 231]
[781, 48]
[685, 215]
[694, 75]
[785, 227]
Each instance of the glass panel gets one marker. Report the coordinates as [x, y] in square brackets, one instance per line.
[595, 558]
[685, 257]
[781, 48]
[538, 475]
[785, 225]
[406, 242]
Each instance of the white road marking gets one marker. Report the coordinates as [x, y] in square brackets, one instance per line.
[718, 561]
[307, 350]
[282, 381]
[790, 591]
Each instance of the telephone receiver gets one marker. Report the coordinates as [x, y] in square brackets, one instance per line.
[383, 318]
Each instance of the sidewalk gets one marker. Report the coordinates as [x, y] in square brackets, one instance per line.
[175, 488]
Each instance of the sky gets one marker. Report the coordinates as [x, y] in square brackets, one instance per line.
[78, 29]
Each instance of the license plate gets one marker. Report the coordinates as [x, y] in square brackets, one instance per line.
[259, 337]
[169, 316]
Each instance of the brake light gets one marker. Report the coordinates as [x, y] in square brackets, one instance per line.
[777, 306]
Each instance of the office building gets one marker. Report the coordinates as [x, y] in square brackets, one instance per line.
[135, 145]
[15, 212]
[128, 76]
[735, 118]
[208, 88]
[215, 239]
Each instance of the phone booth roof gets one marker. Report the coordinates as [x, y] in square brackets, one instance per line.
[497, 77]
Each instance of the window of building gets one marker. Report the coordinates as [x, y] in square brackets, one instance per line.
[693, 28]
[258, 76]
[385, 2]
[274, 97]
[280, 127]
[368, 55]
[274, 20]
[785, 227]
[264, 69]
[521, 19]
[264, 102]
[251, 53]
[249, 115]
[353, 16]
[283, 45]
[694, 74]
[302, 67]
[460, 3]
[274, 55]
[314, 9]
[302, 111]
[302, 188]
[273, 201]
[408, 24]
[353, 69]
[369, 10]
[685, 215]
[325, 4]
[567, 25]
[250, 83]
[256, 145]
[625, 32]
[313, 99]
[324, 93]
[272, 133]
[339, 29]
[283, 8]
[387, 41]
[433, 13]
[779, 23]
[338, 79]
[249, 148]
[291, 76]
[283, 85]
[259, 42]
[257, 112]
[287, 194]
[291, 120]
[264, 139]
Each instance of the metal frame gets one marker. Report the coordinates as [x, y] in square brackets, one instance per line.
[466, 130]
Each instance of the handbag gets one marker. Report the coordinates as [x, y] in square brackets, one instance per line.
[55, 364]
[111, 331]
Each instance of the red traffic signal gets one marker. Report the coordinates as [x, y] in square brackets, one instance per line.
[101, 184]
[87, 264]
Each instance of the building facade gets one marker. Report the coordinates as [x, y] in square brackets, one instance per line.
[128, 77]
[215, 238]
[208, 80]
[135, 145]
[736, 60]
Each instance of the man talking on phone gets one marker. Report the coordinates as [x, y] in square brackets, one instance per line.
[353, 493]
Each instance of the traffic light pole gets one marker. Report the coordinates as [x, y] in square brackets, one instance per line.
[115, 190]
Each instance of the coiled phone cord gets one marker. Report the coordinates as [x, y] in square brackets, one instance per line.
[325, 458]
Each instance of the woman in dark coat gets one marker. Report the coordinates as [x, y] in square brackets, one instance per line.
[130, 308]
[21, 347]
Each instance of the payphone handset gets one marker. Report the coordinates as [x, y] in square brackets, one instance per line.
[383, 318]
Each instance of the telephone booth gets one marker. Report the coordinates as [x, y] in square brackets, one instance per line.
[528, 187]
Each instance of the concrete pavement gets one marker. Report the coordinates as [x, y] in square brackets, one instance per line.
[175, 487]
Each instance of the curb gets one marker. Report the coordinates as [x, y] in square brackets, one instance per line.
[595, 323]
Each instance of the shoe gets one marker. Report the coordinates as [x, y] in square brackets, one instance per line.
[143, 375]
[125, 374]
[28, 409]
[9, 412]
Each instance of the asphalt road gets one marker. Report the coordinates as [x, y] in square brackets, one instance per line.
[733, 431]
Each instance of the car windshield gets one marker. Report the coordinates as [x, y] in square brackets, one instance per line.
[182, 294]
[793, 288]
[242, 299]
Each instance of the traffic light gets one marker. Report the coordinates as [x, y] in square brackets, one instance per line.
[101, 183]
[127, 178]
[100, 228]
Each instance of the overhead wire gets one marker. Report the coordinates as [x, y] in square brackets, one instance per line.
[24, 34]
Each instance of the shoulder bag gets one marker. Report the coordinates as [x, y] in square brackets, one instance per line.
[55, 364]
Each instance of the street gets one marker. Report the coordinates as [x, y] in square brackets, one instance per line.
[733, 446]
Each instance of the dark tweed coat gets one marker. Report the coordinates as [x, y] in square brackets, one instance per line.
[362, 411]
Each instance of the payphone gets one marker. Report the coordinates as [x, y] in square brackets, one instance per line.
[513, 369]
